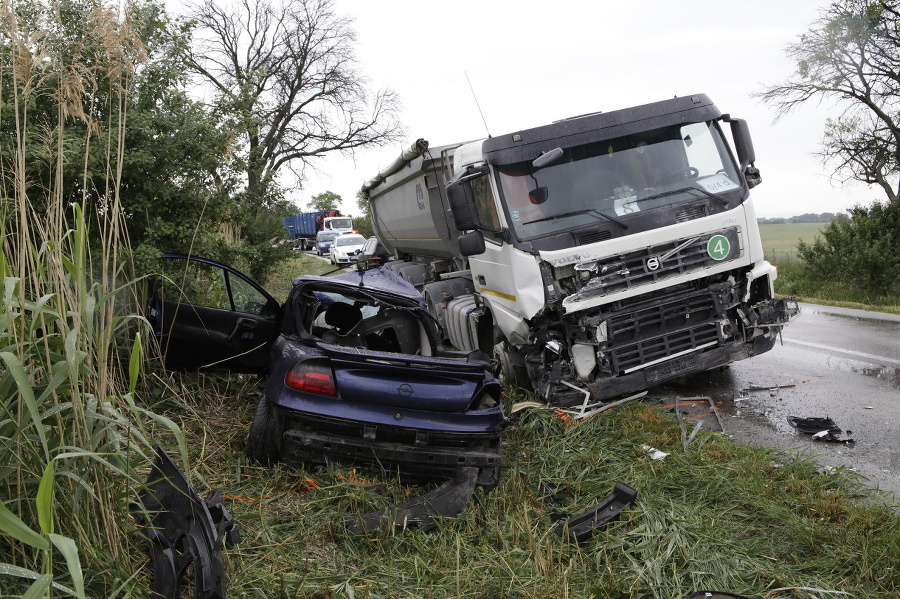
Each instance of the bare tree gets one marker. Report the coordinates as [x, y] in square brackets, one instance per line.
[287, 76]
[852, 55]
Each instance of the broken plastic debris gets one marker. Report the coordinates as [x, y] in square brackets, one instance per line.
[183, 531]
[524, 405]
[422, 512]
[581, 528]
[821, 429]
[653, 452]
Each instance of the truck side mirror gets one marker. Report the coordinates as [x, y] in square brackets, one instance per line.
[471, 244]
[743, 143]
[462, 200]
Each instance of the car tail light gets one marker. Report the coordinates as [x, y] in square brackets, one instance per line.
[312, 376]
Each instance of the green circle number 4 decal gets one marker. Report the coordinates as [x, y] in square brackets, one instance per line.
[718, 247]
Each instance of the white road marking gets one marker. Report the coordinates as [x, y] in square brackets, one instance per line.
[842, 350]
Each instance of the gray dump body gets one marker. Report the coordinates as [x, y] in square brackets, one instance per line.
[410, 213]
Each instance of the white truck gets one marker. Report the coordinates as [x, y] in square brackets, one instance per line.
[593, 257]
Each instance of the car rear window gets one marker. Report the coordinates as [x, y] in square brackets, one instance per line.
[349, 240]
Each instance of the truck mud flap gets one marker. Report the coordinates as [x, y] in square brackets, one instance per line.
[447, 500]
[581, 528]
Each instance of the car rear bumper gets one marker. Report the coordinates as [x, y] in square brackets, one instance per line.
[412, 453]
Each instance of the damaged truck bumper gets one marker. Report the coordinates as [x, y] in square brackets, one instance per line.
[630, 345]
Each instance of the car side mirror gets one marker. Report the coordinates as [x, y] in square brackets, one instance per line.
[471, 244]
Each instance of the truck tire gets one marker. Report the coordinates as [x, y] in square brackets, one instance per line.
[264, 440]
[513, 370]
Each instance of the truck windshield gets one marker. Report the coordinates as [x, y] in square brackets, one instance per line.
[615, 180]
[340, 223]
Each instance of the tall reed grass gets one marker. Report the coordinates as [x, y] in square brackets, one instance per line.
[71, 432]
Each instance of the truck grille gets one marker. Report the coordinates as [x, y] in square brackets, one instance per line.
[594, 236]
[658, 262]
[647, 334]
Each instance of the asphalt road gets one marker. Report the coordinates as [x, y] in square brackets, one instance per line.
[834, 362]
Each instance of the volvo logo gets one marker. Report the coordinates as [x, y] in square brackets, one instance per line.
[653, 263]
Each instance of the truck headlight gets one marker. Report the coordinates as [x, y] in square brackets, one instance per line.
[585, 359]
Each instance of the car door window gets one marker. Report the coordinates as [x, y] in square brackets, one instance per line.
[202, 284]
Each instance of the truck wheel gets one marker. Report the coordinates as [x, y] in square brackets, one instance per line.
[512, 366]
[264, 440]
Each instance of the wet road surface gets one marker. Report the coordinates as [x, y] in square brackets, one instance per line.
[839, 363]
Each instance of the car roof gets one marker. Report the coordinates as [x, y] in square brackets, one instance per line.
[379, 279]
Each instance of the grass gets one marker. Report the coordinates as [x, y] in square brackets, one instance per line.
[722, 516]
[780, 241]
[71, 432]
[280, 280]
[780, 248]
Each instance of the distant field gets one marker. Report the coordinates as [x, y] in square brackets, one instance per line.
[780, 241]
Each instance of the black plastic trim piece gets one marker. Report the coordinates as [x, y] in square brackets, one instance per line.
[447, 500]
[581, 528]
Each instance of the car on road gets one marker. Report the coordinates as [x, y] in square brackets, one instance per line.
[324, 239]
[346, 247]
[355, 368]
[373, 254]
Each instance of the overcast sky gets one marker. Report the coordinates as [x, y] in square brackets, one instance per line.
[533, 62]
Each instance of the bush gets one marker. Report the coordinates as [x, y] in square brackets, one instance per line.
[860, 253]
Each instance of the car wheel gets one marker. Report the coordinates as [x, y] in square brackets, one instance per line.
[264, 440]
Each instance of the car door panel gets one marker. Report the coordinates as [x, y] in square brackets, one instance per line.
[210, 316]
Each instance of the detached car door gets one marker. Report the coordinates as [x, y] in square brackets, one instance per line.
[207, 315]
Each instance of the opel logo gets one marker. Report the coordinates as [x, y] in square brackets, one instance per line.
[405, 390]
[653, 263]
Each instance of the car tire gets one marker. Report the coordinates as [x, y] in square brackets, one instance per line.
[264, 440]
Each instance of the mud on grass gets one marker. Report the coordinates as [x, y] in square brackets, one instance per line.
[722, 516]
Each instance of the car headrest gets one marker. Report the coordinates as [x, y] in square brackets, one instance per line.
[342, 316]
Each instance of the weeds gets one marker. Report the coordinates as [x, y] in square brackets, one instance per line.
[71, 433]
[723, 516]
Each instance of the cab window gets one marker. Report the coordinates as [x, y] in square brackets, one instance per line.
[484, 201]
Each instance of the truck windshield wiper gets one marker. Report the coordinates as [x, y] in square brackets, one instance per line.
[610, 217]
[710, 194]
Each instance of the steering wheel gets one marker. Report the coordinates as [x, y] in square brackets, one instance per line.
[679, 174]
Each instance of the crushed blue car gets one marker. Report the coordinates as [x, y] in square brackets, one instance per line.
[356, 369]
